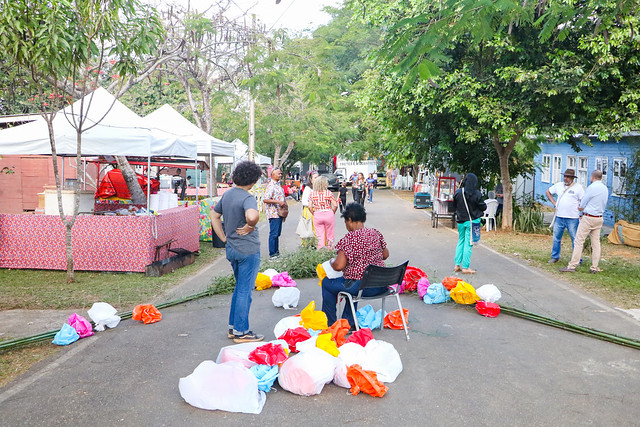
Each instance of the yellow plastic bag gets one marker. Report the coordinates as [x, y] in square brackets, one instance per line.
[324, 342]
[312, 319]
[263, 282]
[464, 293]
[321, 274]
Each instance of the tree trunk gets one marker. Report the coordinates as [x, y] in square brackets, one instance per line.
[137, 195]
[507, 189]
[287, 152]
[276, 157]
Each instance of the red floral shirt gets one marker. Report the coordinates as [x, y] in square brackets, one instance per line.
[362, 247]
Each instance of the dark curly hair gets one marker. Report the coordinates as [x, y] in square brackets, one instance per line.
[246, 173]
[355, 212]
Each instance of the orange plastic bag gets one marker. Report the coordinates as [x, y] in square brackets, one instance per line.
[464, 293]
[411, 277]
[450, 282]
[312, 319]
[339, 331]
[365, 381]
[146, 313]
[393, 320]
[262, 282]
[324, 342]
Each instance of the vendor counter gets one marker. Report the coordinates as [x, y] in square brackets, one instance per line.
[100, 243]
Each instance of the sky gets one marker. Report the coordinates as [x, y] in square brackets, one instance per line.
[295, 15]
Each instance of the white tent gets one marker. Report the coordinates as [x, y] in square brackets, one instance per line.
[169, 120]
[111, 129]
[242, 153]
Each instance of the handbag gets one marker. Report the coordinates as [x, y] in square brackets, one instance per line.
[476, 227]
[283, 210]
[305, 228]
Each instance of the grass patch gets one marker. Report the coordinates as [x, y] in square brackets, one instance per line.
[47, 289]
[617, 283]
[16, 362]
[300, 264]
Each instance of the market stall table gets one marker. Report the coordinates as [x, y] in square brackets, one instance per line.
[100, 243]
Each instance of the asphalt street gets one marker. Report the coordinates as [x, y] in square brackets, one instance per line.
[459, 367]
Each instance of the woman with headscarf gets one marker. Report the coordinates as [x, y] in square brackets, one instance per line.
[469, 207]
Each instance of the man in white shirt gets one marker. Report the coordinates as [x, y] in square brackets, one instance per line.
[568, 194]
[592, 206]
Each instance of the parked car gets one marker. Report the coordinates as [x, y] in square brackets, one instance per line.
[333, 179]
[382, 179]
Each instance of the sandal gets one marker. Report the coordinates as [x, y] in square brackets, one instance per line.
[468, 271]
[457, 268]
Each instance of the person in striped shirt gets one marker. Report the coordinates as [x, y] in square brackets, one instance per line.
[323, 206]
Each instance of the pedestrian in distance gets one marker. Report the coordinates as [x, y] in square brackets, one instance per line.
[499, 197]
[371, 184]
[239, 209]
[567, 215]
[592, 207]
[274, 198]
[323, 207]
[354, 187]
[361, 189]
[360, 247]
[342, 191]
[469, 208]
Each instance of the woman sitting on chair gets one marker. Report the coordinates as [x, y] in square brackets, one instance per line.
[359, 248]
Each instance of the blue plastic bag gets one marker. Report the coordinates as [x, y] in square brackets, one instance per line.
[367, 318]
[266, 376]
[66, 335]
[436, 294]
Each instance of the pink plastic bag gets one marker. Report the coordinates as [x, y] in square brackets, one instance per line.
[282, 280]
[423, 285]
[81, 325]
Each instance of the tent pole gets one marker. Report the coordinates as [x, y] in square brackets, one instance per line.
[84, 173]
[62, 178]
[148, 184]
[210, 176]
[195, 178]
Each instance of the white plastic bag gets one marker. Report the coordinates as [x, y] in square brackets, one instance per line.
[350, 354]
[286, 297]
[270, 272]
[489, 293]
[340, 374]
[307, 344]
[227, 387]
[382, 358]
[240, 352]
[331, 273]
[285, 323]
[103, 314]
[306, 373]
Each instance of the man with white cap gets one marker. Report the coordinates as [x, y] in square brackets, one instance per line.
[568, 194]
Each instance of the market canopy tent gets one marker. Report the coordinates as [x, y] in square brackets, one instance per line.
[112, 129]
[167, 119]
[242, 153]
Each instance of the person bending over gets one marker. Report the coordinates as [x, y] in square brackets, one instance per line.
[360, 247]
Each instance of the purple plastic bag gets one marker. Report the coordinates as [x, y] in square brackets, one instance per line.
[282, 280]
[423, 285]
[81, 325]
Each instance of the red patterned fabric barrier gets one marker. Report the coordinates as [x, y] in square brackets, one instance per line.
[100, 243]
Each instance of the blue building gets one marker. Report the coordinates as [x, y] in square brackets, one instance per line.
[611, 157]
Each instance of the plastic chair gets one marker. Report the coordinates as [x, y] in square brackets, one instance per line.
[490, 213]
[377, 277]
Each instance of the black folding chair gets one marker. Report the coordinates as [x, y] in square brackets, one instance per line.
[377, 277]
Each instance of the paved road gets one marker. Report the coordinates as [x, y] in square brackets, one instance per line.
[459, 367]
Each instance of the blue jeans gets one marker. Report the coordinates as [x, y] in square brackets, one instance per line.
[371, 194]
[571, 224]
[275, 228]
[330, 289]
[245, 270]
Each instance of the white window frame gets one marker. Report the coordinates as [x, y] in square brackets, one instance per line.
[556, 168]
[619, 173]
[571, 162]
[602, 164]
[583, 171]
[546, 168]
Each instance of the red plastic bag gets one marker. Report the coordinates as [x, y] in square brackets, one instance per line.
[146, 313]
[339, 331]
[450, 282]
[362, 337]
[365, 381]
[294, 336]
[488, 309]
[411, 277]
[393, 320]
[268, 354]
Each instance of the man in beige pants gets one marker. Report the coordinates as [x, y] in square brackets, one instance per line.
[592, 206]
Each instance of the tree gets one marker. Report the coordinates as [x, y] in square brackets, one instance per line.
[504, 71]
[64, 45]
